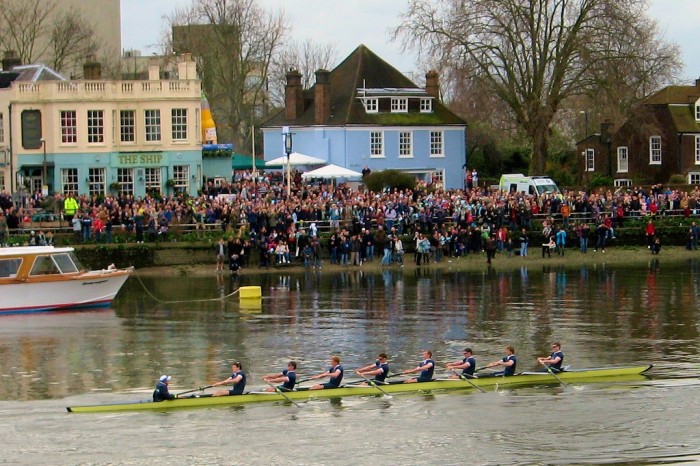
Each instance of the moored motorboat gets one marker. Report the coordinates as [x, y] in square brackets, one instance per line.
[591, 375]
[45, 278]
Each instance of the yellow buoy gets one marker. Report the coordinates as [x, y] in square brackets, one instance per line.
[250, 292]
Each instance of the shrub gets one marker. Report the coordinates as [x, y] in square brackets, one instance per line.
[600, 180]
[377, 181]
[677, 179]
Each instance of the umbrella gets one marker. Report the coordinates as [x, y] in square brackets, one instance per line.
[332, 171]
[295, 158]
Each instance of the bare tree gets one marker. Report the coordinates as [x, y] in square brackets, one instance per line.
[72, 40]
[306, 57]
[533, 54]
[42, 30]
[24, 23]
[234, 42]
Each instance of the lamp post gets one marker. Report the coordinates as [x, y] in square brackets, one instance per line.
[288, 151]
[43, 166]
[585, 115]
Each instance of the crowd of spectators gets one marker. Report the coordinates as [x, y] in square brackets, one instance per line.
[360, 224]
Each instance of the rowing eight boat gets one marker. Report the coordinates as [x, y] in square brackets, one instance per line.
[591, 375]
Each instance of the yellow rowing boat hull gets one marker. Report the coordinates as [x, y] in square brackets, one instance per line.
[592, 375]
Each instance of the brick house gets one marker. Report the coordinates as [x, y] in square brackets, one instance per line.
[660, 138]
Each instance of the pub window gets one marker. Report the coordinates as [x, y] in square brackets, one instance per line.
[181, 176]
[95, 122]
[153, 179]
[97, 181]
[179, 116]
[127, 126]
[125, 179]
[69, 180]
[69, 127]
[152, 125]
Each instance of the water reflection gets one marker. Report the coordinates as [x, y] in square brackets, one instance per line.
[603, 315]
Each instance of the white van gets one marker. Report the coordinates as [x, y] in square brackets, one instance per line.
[533, 185]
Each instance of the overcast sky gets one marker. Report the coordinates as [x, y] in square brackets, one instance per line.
[349, 23]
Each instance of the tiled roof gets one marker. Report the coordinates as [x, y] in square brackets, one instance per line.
[674, 95]
[363, 69]
[683, 117]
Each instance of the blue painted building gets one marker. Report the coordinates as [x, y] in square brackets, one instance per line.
[365, 113]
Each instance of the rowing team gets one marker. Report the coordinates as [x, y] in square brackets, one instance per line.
[287, 379]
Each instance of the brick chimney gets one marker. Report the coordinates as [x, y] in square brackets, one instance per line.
[606, 131]
[92, 69]
[432, 84]
[293, 96]
[697, 82]
[10, 59]
[322, 97]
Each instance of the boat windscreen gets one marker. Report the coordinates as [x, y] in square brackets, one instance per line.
[65, 263]
[9, 267]
[44, 265]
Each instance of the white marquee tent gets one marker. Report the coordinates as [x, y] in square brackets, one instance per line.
[332, 171]
[295, 158]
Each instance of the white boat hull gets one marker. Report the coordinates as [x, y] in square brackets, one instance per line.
[85, 290]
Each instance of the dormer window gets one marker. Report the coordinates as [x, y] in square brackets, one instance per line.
[399, 105]
[371, 105]
[426, 105]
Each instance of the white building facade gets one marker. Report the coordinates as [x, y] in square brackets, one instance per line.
[95, 137]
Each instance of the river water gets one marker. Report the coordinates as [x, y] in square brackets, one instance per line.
[602, 315]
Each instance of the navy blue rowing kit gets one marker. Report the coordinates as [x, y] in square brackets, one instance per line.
[240, 386]
[334, 382]
[556, 367]
[469, 371]
[291, 380]
[385, 371]
[427, 374]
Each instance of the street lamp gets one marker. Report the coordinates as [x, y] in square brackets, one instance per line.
[288, 150]
[43, 166]
[585, 114]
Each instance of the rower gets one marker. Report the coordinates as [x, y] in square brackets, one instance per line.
[288, 378]
[334, 372]
[380, 369]
[161, 393]
[509, 361]
[467, 364]
[237, 378]
[555, 359]
[426, 369]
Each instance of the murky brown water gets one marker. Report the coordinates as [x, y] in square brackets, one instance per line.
[603, 316]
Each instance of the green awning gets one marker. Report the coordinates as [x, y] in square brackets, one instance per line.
[243, 162]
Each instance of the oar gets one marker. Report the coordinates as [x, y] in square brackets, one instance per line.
[195, 390]
[549, 369]
[372, 383]
[282, 393]
[480, 368]
[303, 380]
[461, 376]
[394, 375]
